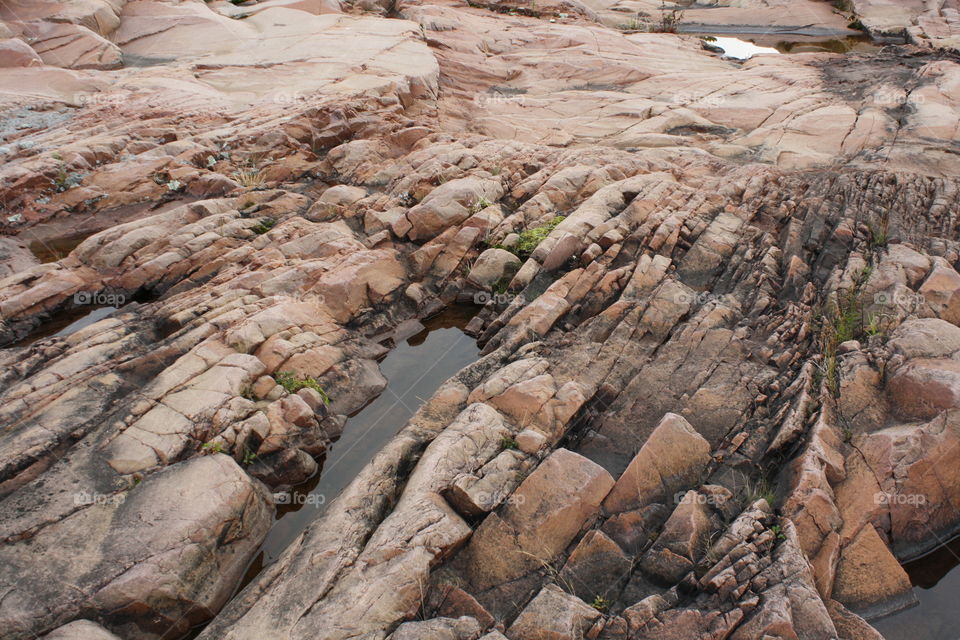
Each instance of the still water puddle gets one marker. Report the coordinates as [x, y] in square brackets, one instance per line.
[414, 370]
[740, 49]
[936, 583]
[771, 44]
[65, 323]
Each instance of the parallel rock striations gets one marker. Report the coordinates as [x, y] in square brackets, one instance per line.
[718, 306]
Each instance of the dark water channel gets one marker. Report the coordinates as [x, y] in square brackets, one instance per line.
[936, 583]
[414, 369]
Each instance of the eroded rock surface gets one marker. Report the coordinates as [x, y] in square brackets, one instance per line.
[719, 388]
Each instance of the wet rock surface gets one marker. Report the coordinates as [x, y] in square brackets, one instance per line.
[718, 306]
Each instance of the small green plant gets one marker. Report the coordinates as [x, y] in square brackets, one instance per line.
[600, 604]
[481, 204]
[212, 447]
[64, 180]
[248, 457]
[759, 489]
[777, 530]
[530, 238]
[847, 322]
[263, 226]
[507, 442]
[879, 233]
[829, 372]
[875, 325]
[293, 383]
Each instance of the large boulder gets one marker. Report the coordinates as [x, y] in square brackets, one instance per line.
[449, 204]
[553, 615]
[463, 628]
[917, 467]
[493, 266]
[595, 567]
[941, 291]
[80, 630]
[683, 541]
[869, 579]
[17, 53]
[922, 388]
[542, 517]
[156, 559]
[670, 460]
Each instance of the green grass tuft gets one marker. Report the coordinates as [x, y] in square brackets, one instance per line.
[293, 383]
[530, 238]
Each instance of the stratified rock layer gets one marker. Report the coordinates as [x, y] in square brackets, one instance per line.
[718, 394]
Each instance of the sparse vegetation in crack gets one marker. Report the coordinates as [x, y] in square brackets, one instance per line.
[531, 238]
[292, 383]
[264, 225]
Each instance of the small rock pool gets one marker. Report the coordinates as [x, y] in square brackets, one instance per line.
[414, 369]
[744, 47]
[740, 49]
[936, 582]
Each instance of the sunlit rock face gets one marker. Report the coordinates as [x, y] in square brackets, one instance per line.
[715, 298]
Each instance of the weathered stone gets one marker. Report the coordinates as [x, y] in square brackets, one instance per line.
[869, 579]
[632, 529]
[287, 467]
[553, 615]
[493, 266]
[453, 602]
[438, 629]
[546, 512]
[476, 494]
[596, 565]
[449, 204]
[671, 459]
[112, 555]
[683, 541]
[80, 630]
